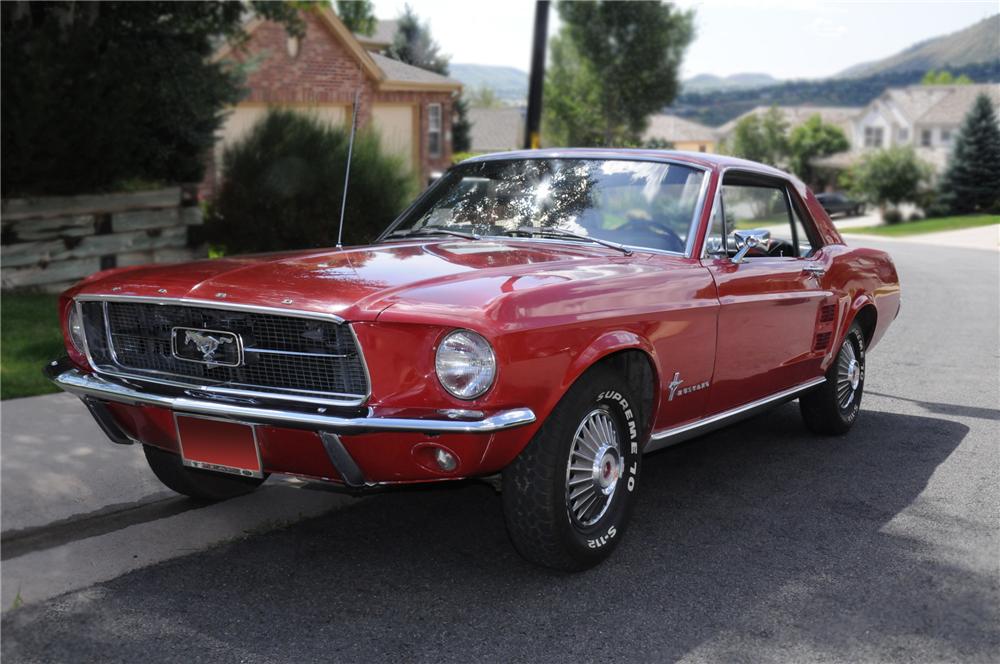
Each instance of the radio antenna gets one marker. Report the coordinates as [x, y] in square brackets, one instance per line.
[347, 172]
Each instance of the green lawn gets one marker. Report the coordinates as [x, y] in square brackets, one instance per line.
[30, 337]
[935, 225]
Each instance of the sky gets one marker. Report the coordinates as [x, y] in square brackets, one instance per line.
[784, 38]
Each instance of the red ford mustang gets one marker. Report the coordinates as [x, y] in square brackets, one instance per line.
[549, 316]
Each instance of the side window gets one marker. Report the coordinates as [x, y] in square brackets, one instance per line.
[762, 206]
[434, 130]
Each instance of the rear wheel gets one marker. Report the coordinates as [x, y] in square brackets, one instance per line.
[199, 484]
[832, 408]
[568, 495]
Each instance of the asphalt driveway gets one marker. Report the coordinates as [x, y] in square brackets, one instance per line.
[756, 543]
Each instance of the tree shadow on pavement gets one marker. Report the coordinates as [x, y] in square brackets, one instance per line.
[758, 542]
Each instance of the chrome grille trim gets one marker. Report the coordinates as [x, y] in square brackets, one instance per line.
[312, 397]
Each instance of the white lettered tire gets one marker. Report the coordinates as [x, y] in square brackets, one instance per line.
[568, 496]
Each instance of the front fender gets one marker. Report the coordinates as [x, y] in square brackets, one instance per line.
[508, 444]
[603, 346]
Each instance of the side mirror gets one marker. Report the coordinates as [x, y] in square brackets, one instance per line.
[751, 239]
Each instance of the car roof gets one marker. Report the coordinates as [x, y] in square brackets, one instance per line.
[706, 160]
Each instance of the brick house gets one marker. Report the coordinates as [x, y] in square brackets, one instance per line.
[411, 108]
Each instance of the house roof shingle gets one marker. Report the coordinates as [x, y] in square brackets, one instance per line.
[675, 129]
[495, 129]
[395, 70]
[385, 32]
[949, 104]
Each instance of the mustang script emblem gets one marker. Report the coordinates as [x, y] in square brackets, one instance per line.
[677, 382]
[212, 347]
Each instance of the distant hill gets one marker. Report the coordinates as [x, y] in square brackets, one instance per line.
[716, 108]
[975, 44]
[509, 84]
[710, 82]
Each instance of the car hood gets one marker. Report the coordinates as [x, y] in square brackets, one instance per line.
[358, 283]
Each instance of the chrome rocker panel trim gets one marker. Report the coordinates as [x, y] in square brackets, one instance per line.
[667, 437]
[84, 385]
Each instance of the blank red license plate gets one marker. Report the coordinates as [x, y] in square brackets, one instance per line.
[219, 445]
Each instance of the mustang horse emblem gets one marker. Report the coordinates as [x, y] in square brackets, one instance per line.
[206, 343]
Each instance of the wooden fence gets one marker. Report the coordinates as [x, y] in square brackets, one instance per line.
[50, 243]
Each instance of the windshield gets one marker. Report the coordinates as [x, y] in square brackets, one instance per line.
[636, 203]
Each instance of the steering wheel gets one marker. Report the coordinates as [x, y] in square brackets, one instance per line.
[665, 236]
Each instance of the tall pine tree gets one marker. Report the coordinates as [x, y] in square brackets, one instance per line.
[972, 181]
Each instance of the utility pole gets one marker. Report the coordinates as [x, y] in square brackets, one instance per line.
[533, 120]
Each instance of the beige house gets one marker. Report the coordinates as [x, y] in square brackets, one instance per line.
[925, 117]
[683, 134]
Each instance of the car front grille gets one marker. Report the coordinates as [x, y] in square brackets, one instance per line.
[311, 356]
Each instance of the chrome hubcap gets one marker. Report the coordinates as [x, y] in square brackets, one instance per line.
[848, 374]
[593, 469]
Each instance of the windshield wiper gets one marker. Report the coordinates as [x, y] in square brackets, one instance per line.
[558, 232]
[433, 231]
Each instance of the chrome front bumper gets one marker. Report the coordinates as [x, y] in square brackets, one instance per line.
[92, 386]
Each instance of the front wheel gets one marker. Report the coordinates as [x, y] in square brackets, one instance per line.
[201, 485]
[832, 408]
[568, 495]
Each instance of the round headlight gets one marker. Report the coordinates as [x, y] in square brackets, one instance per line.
[465, 364]
[75, 325]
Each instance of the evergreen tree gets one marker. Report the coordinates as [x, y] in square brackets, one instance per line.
[972, 181]
[414, 45]
[461, 127]
[98, 94]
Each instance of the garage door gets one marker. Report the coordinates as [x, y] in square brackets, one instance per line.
[395, 124]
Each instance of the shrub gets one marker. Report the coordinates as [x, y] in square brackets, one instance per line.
[890, 177]
[283, 183]
[892, 216]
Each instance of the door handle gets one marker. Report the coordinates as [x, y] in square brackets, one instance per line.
[814, 270]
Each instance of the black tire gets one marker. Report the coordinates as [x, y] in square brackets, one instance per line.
[832, 408]
[541, 521]
[201, 485]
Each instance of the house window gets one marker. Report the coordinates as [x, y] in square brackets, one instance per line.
[702, 147]
[946, 135]
[873, 137]
[434, 130]
[925, 138]
[904, 134]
